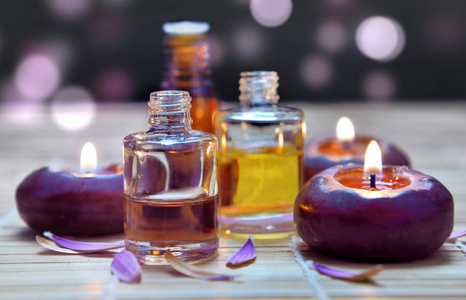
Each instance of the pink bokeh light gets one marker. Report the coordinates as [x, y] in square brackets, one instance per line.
[20, 112]
[446, 32]
[380, 38]
[316, 72]
[115, 85]
[331, 37]
[73, 108]
[379, 86]
[37, 77]
[271, 13]
[69, 9]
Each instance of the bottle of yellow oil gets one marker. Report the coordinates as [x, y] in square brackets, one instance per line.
[260, 159]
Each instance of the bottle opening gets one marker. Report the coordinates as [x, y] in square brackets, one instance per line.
[186, 27]
[170, 108]
[169, 95]
[258, 74]
[258, 87]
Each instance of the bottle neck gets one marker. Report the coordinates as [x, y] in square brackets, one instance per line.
[169, 110]
[186, 59]
[258, 88]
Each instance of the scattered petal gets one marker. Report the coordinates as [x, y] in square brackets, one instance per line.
[126, 267]
[346, 275]
[82, 247]
[243, 255]
[454, 236]
[193, 271]
[51, 245]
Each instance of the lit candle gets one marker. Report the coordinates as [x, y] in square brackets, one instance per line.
[346, 147]
[88, 161]
[402, 215]
[85, 202]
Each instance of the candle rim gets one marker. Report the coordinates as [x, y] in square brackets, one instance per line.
[111, 170]
[382, 180]
[315, 147]
[419, 181]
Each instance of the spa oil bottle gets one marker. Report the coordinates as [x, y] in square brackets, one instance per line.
[186, 67]
[170, 185]
[260, 159]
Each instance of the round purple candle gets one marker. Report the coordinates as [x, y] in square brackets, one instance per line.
[409, 215]
[325, 152]
[67, 203]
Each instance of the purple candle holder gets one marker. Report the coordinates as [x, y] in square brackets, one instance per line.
[408, 216]
[68, 203]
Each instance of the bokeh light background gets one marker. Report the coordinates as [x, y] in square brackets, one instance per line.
[71, 54]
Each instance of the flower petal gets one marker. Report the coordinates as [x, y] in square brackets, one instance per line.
[126, 267]
[51, 245]
[193, 271]
[454, 236]
[346, 275]
[243, 255]
[83, 247]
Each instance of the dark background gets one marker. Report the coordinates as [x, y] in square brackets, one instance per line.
[111, 49]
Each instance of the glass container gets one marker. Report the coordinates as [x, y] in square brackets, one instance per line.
[186, 67]
[170, 183]
[260, 159]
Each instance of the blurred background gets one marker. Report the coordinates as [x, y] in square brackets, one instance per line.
[323, 50]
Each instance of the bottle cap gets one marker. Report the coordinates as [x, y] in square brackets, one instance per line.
[186, 27]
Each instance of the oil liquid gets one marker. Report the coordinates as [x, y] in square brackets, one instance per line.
[183, 221]
[258, 189]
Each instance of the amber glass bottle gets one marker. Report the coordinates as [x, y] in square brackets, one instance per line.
[186, 67]
[260, 159]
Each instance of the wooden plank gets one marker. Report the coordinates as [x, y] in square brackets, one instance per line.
[433, 134]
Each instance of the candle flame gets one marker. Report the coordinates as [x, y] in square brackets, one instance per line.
[373, 160]
[88, 158]
[280, 141]
[345, 130]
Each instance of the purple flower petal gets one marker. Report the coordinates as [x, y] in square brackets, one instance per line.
[193, 271]
[51, 245]
[346, 275]
[82, 247]
[245, 254]
[454, 236]
[126, 267]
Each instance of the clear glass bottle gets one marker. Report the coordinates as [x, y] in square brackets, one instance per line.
[170, 182]
[260, 159]
[186, 67]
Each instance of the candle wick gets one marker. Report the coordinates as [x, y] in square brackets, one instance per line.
[373, 181]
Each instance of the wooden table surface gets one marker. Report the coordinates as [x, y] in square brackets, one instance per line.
[433, 133]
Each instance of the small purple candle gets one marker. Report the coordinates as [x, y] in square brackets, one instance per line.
[344, 148]
[406, 214]
[82, 203]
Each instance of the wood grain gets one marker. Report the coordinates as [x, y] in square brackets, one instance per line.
[433, 133]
